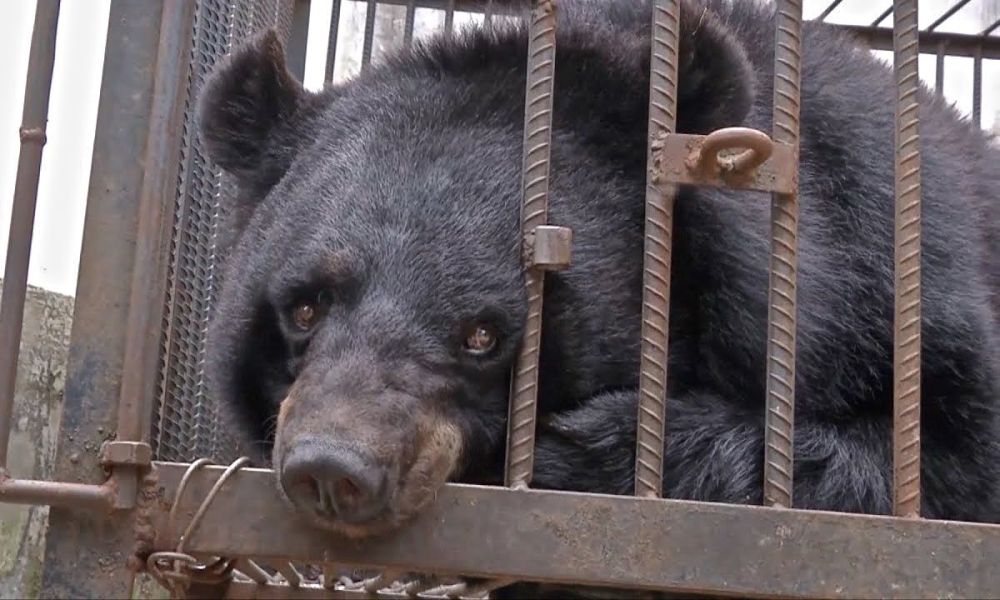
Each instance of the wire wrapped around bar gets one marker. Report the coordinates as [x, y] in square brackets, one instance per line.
[781, 318]
[534, 213]
[906, 362]
[657, 255]
[176, 570]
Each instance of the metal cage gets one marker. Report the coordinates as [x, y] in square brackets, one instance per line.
[148, 281]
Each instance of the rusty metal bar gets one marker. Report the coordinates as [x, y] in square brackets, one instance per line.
[675, 153]
[534, 213]
[781, 318]
[939, 70]
[618, 541]
[657, 254]
[947, 15]
[411, 15]
[369, 39]
[829, 9]
[906, 352]
[132, 64]
[958, 44]
[331, 49]
[49, 493]
[41, 60]
[977, 90]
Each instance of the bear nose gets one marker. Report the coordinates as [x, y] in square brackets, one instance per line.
[334, 481]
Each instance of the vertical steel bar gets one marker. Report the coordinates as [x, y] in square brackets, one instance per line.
[331, 49]
[657, 255]
[366, 50]
[906, 367]
[781, 318]
[539, 91]
[939, 71]
[977, 88]
[41, 61]
[297, 34]
[411, 15]
[449, 18]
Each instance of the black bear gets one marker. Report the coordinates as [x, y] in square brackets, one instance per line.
[373, 301]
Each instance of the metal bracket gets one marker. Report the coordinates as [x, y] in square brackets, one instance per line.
[549, 248]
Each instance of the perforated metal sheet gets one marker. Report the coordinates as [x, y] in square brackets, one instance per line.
[189, 424]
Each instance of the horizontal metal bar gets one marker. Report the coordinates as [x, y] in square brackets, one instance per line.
[50, 493]
[777, 174]
[956, 44]
[608, 541]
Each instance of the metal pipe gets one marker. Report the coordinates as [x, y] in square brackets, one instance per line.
[992, 27]
[41, 61]
[331, 49]
[958, 44]
[534, 213]
[366, 50]
[781, 318]
[657, 255]
[49, 493]
[906, 356]
[947, 15]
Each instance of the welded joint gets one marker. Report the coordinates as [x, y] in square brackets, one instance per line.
[133, 454]
[549, 248]
[33, 134]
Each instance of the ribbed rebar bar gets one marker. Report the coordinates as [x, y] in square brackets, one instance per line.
[534, 213]
[657, 255]
[781, 318]
[906, 367]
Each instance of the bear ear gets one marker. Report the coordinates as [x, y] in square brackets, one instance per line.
[715, 76]
[249, 113]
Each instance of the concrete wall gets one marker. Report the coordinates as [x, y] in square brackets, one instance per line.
[37, 407]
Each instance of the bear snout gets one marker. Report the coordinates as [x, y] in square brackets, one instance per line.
[334, 480]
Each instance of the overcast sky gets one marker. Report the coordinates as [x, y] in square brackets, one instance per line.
[76, 84]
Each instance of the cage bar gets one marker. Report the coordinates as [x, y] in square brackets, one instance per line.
[906, 351]
[780, 419]
[411, 14]
[331, 48]
[449, 18]
[41, 60]
[977, 90]
[488, 15]
[534, 213]
[939, 70]
[615, 541]
[829, 9]
[947, 15]
[657, 254]
[369, 39]
[958, 44]
[991, 28]
[882, 17]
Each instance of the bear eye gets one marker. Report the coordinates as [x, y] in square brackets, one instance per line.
[481, 340]
[304, 316]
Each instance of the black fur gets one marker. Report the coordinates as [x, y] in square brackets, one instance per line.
[413, 171]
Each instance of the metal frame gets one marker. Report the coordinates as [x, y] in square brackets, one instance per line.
[123, 507]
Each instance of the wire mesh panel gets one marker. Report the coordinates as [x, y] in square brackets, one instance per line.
[188, 423]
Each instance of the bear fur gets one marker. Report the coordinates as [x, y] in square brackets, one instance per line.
[408, 179]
